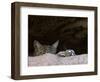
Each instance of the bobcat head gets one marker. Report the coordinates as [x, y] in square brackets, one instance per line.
[40, 49]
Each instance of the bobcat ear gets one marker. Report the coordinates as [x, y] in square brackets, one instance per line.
[55, 44]
[37, 43]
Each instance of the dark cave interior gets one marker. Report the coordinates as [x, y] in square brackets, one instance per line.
[72, 32]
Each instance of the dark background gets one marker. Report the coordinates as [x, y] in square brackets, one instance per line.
[70, 31]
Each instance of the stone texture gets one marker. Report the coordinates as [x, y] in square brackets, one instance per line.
[52, 59]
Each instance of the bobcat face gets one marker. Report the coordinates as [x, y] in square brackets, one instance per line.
[40, 49]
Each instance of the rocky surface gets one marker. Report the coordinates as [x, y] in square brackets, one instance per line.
[52, 59]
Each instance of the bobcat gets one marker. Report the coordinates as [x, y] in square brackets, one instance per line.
[40, 49]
